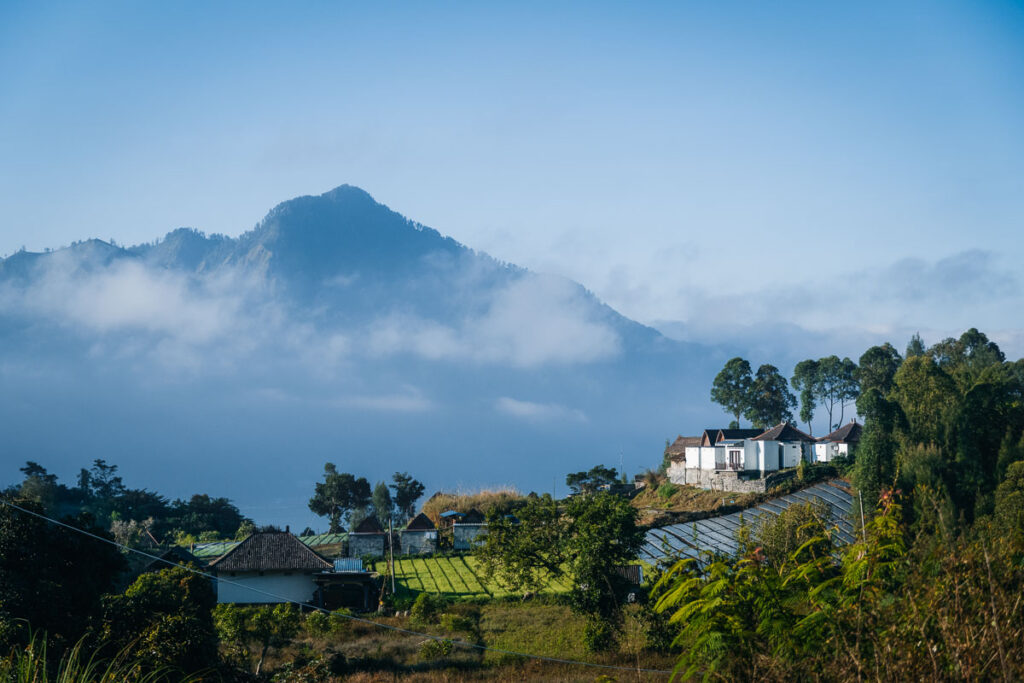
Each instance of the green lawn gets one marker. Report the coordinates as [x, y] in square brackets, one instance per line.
[456, 577]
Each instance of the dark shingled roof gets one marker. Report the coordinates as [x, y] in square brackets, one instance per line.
[784, 432]
[474, 516]
[677, 451]
[848, 433]
[370, 525]
[420, 523]
[730, 434]
[277, 550]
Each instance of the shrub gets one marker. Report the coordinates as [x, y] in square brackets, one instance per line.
[318, 624]
[456, 623]
[435, 649]
[598, 635]
[427, 608]
[340, 622]
[667, 490]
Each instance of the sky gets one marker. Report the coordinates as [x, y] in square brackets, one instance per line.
[766, 174]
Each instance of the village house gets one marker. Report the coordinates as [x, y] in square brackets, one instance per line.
[839, 444]
[741, 459]
[467, 529]
[269, 567]
[419, 536]
[368, 538]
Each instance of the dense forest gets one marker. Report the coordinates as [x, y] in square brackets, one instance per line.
[932, 588]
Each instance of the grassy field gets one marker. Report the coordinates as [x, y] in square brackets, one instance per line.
[455, 577]
[375, 655]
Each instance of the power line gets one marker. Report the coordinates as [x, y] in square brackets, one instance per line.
[280, 598]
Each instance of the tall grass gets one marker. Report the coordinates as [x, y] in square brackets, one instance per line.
[31, 663]
[502, 498]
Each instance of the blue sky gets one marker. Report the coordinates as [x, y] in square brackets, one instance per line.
[856, 171]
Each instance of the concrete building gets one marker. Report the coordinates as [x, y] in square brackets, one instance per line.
[368, 538]
[419, 536]
[839, 444]
[467, 529]
[743, 460]
[269, 567]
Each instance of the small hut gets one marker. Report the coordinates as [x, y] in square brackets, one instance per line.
[467, 528]
[368, 538]
[419, 536]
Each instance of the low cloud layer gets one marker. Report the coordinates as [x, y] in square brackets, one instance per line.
[538, 412]
[230, 318]
[827, 309]
[533, 321]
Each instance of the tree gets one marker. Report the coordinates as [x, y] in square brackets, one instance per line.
[875, 465]
[338, 496]
[205, 513]
[927, 396]
[52, 578]
[382, 505]
[966, 359]
[836, 384]
[267, 626]
[915, 347]
[588, 482]
[770, 401]
[878, 366]
[805, 380]
[587, 541]
[407, 492]
[731, 388]
[164, 620]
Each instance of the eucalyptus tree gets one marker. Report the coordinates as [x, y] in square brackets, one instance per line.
[731, 388]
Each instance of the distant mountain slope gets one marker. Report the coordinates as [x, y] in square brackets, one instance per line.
[335, 328]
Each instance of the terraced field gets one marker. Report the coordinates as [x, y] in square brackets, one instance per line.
[456, 577]
[717, 534]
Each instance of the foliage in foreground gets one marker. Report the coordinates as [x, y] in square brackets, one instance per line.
[944, 607]
[32, 663]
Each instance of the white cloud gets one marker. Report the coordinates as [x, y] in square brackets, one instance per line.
[408, 400]
[535, 320]
[538, 412]
[826, 309]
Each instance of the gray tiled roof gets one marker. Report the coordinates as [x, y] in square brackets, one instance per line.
[269, 551]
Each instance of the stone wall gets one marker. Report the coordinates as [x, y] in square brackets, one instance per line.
[419, 542]
[366, 544]
[733, 482]
[465, 534]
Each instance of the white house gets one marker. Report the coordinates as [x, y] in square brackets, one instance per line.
[269, 567]
[840, 443]
[741, 459]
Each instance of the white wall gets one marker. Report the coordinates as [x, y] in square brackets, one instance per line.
[677, 471]
[296, 586]
[825, 452]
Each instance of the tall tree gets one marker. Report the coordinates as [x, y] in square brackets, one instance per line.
[927, 396]
[770, 401]
[878, 366]
[837, 384]
[588, 482]
[407, 492]
[382, 504]
[805, 380]
[915, 347]
[587, 542]
[731, 388]
[338, 496]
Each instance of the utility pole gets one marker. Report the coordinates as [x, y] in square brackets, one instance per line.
[391, 555]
